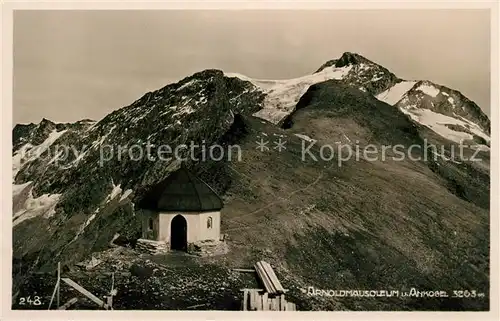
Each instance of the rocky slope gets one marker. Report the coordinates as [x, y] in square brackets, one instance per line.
[347, 224]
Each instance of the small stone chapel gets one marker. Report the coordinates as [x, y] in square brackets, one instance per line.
[180, 210]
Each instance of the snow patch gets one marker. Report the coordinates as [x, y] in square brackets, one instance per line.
[18, 188]
[305, 137]
[428, 90]
[115, 192]
[363, 67]
[481, 147]
[437, 122]
[394, 94]
[264, 84]
[475, 128]
[43, 205]
[282, 98]
[79, 158]
[28, 153]
[85, 224]
[185, 110]
[203, 100]
[272, 115]
[189, 83]
[56, 157]
[98, 143]
[126, 194]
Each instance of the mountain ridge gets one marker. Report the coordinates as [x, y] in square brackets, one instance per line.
[354, 224]
[375, 79]
[366, 75]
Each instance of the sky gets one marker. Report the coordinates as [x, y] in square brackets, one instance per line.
[72, 65]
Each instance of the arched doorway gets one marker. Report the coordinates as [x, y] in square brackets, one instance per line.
[178, 233]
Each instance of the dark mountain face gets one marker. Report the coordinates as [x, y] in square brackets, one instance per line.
[375, 79]
[199, 109]
[347, 58]
[445, 101]
[353, 224]
[335, 100]
[365, 74]
[36, 134]
[33, 134]
[20, 135]
[346, 115]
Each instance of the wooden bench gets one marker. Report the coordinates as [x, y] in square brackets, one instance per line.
[268, 277]
[272, 297]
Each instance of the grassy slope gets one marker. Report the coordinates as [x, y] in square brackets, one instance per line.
[365, 225]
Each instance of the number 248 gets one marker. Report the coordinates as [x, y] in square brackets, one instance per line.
[36, 300]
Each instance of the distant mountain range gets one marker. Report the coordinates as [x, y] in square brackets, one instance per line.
[371, 225]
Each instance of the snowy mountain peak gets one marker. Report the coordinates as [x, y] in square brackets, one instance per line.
[347, 58]
[449, 102]
[426, 87]
[281, 96]
[445, 111]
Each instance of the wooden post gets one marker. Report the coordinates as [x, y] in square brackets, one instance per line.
[252, 300]
[245, 298]
[259, 301]
[85, 292]
[68, 304]
[265, 302]
[58, 281]
[255, 300]
[54, 293]
[244, 270]
[110, 303]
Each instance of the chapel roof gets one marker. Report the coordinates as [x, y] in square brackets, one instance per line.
[181, 191]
